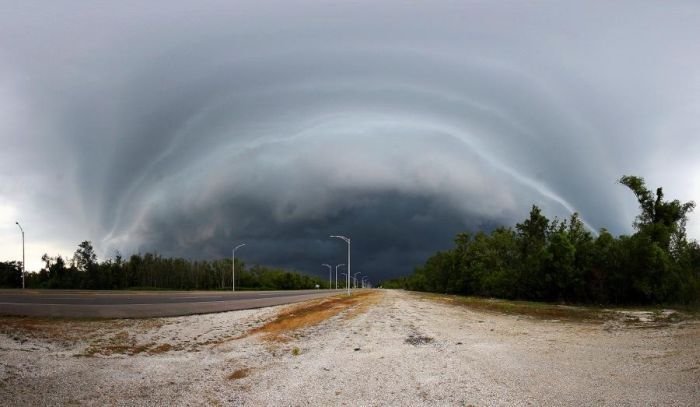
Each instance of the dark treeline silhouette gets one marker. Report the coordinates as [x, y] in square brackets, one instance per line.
[560, 260]
[151, 271]
[10, 274]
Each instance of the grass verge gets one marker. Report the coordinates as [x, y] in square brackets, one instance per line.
[645, 316]
[527, 308]
[66, 331]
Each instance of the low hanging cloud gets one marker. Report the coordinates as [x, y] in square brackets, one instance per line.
[184, 128]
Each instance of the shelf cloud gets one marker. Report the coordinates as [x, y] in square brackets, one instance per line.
[186, 127]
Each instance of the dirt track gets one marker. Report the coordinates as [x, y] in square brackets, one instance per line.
[395, 348]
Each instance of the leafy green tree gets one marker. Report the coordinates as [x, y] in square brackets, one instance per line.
[562, 261]
[559, 277]
[10, 274]
[494, 260]
[659, 218]
[584, 254]
[59, 275]
[532, 235]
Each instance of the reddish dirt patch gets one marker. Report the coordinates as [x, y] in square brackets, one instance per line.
[239, 374]
[312, 313]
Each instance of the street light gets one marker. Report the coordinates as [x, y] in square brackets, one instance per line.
[330, 275]
[336, 274]
[344, 274]
[23, 272]
[347, 240]
[354, 278]
[363, 281]
[233, 267]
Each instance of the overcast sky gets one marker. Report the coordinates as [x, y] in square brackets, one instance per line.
[188, 127]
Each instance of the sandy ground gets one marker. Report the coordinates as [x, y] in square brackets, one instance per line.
[394, 348]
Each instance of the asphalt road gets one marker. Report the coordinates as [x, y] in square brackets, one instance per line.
[142, 304]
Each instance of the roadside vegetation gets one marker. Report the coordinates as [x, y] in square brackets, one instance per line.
[310, 313]
[151, 271]
[560, 260]
[539, 310]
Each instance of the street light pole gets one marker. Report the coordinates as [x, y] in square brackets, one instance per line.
[354, 278]
[336, 274]
[23, 268]
[347, 240]
[330, 275]
[233, 267]
[363, 281]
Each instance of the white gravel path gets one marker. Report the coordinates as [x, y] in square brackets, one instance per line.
[405, 350]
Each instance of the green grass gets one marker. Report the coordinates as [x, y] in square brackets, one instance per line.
[529, 308]
[549, 311]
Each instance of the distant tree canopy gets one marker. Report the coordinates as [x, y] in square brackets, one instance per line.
[151, 271]
[560, 260]
[10, 274]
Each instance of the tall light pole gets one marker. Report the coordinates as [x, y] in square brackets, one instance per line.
[347, 240]
[354, 278]
[336, 274]
[363, 281]
[233, 267]
[330, 275]
[344, 274]
[23, 272]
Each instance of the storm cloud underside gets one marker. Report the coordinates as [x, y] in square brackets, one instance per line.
[183, 128]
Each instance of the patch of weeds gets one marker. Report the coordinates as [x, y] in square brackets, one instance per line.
[54, 330]
[296, 351]
[123, 344]
[68, 331]
[674, 317]
[239, 374]
[650, 316]
[631, 319]
[163, 348]
[538, 310]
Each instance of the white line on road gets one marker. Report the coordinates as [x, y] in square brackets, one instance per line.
[195, 298]
[67, 298]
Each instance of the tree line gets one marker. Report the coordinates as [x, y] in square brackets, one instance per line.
[151, 271]
[561, 260]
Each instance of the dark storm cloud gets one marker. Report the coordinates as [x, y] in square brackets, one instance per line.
[183, 127]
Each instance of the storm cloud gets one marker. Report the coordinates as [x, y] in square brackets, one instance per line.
[186, 127]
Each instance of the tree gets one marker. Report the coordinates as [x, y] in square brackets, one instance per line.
[85, 256]
[58, 274]
[85, 261]
[532, 236]
[661, 219]
[659, 245]
[11, 274]
[582, 240]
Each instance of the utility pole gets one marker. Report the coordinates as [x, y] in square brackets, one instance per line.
[23, 268]
[336, 274]
[330, 275]
[233, 267]
[347, 240]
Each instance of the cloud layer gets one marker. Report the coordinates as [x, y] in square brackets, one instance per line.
[184, 128]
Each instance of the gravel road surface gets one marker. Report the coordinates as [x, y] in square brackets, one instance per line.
[400, 349]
